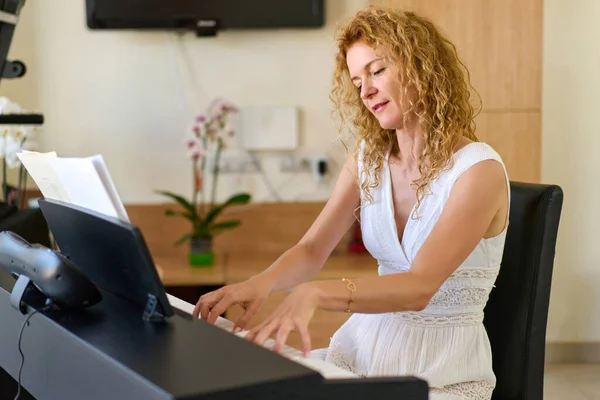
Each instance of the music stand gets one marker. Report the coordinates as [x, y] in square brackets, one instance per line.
[111, 253]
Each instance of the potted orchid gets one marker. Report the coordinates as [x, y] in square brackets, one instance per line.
[210, 135]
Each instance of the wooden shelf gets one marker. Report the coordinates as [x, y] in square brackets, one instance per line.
[177, 272]
[230, 269]
[337, 266]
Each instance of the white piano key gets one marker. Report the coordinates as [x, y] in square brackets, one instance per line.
[327, 370]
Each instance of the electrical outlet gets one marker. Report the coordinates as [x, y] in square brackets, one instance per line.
[294, 164]
[320, 168]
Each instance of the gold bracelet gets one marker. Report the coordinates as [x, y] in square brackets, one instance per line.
[352, 288]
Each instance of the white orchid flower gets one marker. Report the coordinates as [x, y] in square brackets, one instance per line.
[9, 107]
[13, 140]
[10, 147]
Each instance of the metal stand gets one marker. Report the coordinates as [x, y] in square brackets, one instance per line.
[153, 313]
[18, 293]
[9, 16]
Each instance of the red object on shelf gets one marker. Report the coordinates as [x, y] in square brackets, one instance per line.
[356, 244]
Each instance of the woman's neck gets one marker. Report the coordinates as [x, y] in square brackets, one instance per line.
[410, 146]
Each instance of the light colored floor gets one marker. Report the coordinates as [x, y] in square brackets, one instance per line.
[572, 382]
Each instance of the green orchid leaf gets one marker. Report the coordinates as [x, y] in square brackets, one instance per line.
[191, 211]
[225, 225]
[186, 215]
[240, 198]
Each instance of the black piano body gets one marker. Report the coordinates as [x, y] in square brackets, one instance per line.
[102, 354]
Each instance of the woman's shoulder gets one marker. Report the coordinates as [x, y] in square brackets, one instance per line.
[470, 155]
[473, 152]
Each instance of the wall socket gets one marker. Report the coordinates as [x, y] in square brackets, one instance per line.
[320, 168]
[242, 163]
[293, 164]
[317, 166]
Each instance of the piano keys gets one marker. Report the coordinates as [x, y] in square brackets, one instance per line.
[336, 381]
[327, 370]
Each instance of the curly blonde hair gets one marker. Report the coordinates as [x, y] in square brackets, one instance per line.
[428, 63]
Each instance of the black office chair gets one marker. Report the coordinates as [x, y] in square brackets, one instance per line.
[517, 311]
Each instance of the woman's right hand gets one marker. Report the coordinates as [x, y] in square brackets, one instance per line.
[250, 294]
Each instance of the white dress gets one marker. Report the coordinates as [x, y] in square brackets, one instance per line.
[446, 344]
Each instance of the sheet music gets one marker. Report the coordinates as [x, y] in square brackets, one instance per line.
[328, 370]
[111, 190]
[45, 177]
[81, 181]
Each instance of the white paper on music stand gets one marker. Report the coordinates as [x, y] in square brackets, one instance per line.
[83, 184]
[81, 181]
[45, 177]
[110, 187]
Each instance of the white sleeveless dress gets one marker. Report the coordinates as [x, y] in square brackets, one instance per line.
[446, 344]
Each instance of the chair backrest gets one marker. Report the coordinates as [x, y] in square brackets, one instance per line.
[517, 311]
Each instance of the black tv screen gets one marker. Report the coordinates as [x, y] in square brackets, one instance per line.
[204, 14]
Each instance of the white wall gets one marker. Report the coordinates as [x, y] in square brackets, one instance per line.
[571, 139]
[132, 96]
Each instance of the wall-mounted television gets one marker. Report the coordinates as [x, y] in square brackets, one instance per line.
[205, 17]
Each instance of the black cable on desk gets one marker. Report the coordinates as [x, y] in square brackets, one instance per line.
[26, 322]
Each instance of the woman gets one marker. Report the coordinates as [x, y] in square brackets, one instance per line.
[433, 211]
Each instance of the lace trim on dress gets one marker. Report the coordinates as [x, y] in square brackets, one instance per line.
[430, 320]
[337, 357]
[484, 273]
[459, 297]
[474, 390]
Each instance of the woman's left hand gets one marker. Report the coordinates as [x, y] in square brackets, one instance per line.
[294, 313]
